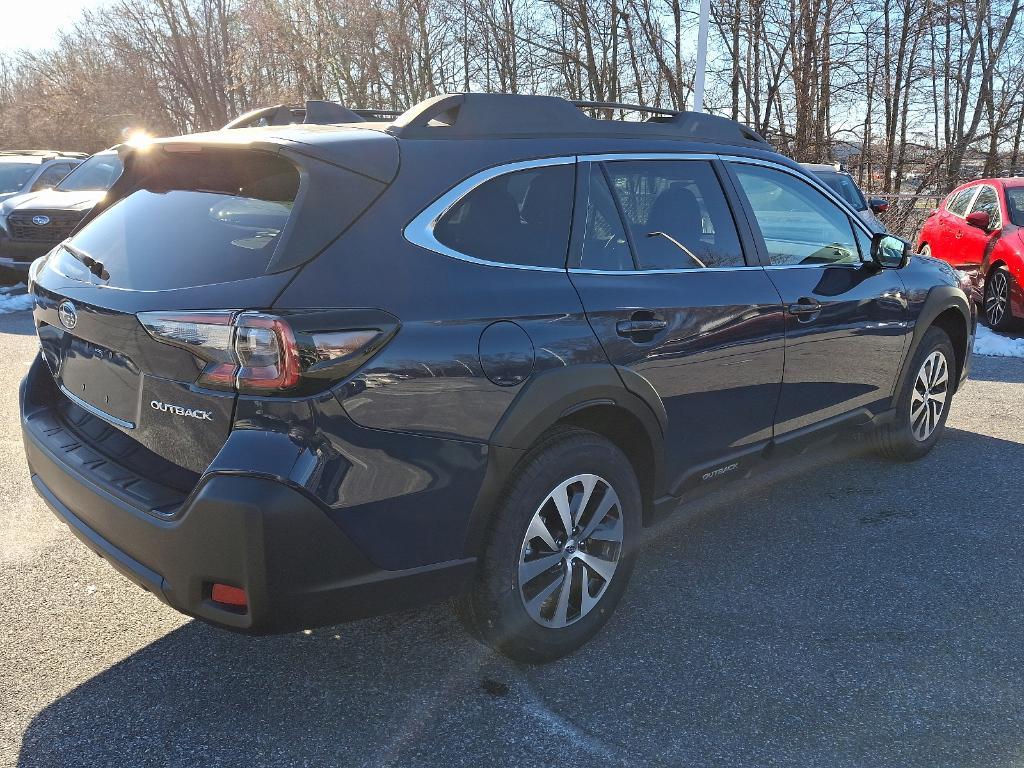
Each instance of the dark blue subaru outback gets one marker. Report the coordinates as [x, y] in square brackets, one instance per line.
[300, 374]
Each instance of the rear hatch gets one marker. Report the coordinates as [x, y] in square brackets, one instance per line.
[140, 313]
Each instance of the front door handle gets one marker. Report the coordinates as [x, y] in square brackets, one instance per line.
[634, 327]
[805, 306]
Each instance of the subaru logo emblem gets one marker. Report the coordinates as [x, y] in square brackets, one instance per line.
[68, 314]
[40, 221]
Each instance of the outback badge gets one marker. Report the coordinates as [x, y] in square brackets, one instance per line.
[177, 410]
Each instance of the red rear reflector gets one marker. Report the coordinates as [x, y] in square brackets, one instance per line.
[233, 596]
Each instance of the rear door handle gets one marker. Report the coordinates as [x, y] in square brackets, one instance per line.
[631, 327]
[805, 307]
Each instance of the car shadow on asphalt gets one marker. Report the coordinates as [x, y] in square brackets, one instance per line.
[1000, 369]
[868, 613]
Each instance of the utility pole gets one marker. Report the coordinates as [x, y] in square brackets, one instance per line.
[702, 56]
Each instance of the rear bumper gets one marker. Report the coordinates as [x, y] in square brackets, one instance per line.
[298, 568]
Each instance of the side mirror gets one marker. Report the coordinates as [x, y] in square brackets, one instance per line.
[37, 187]
[878, 205]
[979, 219]
[889, 251]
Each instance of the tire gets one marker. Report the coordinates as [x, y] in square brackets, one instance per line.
[998, 312]
[930, 374]
[926, 250]
[512, 573]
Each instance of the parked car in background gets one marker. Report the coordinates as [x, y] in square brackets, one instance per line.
[842, 184]
[293, 375]
[978, 230]
[33, 170]
[32, 223]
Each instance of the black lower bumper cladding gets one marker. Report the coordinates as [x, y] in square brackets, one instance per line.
[298, 568]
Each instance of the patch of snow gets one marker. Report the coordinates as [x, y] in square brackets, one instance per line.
[987, 342]
[15, 303]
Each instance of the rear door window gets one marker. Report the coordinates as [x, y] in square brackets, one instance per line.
[209, 217]
[519, 218]
[676, 213]
[960, 200]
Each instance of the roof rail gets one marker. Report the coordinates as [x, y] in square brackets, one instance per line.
[315, 112]
[493, 115]
[54, 153]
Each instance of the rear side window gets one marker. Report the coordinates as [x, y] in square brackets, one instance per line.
[676, 213]
[209, 217]
[960, 200]
[519, 218]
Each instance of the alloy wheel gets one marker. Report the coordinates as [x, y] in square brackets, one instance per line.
[997, 297]
[928, 398]
[571, 551]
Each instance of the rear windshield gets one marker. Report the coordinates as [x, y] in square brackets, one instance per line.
[844, 186]
[199, 218]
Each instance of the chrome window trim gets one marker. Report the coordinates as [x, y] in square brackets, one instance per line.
[695, 270]
[420, 231]
[613, 156]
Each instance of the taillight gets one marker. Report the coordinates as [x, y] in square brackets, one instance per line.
[267, 354]
[253, 352]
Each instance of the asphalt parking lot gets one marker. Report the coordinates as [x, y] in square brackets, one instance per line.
[854, 613]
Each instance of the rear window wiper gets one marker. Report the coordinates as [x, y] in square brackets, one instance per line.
[96, 267]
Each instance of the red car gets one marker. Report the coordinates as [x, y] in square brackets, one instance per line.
[980, 229]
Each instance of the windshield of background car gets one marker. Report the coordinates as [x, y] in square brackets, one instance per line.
[14, 176]
[844, 186]
[199, 218]
[95, 174]
[1015, 205]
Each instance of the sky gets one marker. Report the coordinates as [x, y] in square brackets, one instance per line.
[34, 24]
